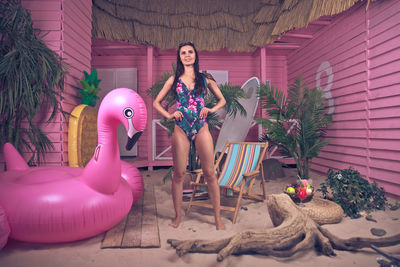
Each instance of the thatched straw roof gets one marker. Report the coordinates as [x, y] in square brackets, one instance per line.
[238, 25]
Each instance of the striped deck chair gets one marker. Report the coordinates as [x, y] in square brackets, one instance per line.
[237, 176]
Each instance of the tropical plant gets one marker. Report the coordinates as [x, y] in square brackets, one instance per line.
[232, 94]
[352, 192]
[90, 87]
[306, 109]
[31, 80]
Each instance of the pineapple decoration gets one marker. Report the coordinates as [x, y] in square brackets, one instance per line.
[82, 129]
[90, 88]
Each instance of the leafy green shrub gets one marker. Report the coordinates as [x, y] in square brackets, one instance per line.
[352, 192]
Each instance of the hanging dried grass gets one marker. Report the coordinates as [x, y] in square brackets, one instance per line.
[240, 25]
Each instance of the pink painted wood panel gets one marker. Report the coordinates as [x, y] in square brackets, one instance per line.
[365, 62]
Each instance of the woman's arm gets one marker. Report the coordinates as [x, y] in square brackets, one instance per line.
[212, 85]
[159, 98]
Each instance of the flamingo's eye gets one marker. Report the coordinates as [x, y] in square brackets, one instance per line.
[128, 113]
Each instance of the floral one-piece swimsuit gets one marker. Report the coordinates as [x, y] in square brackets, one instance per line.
[190, 103]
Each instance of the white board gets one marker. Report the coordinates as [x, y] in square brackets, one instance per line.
[235, 129]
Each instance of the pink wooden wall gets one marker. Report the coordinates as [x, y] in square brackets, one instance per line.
[76, 45]
[363, 50]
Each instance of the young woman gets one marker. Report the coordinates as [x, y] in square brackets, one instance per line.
[190, 87]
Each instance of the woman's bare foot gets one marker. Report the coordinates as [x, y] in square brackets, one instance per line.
[175, 222]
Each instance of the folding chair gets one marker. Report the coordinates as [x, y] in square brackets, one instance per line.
[237, 176]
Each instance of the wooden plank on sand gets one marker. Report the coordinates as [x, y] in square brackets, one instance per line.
[139, 228]
[150, 233]
[133, 229]
[113, 237]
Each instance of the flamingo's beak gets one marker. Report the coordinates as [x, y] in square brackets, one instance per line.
[132, 140]
[133, 135]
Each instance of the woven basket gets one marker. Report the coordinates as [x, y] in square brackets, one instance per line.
[323, 211]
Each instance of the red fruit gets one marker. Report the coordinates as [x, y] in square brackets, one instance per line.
[302, 193]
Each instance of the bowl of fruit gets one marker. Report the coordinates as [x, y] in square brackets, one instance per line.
[302, 191]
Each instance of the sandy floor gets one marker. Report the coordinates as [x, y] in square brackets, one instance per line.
[199, 225]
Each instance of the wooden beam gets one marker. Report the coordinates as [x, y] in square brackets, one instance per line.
[263, 64]
[150, 54]
[283, 46]
[298, 35]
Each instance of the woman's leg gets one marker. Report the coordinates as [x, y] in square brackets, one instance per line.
[180, 153]
[205, 149]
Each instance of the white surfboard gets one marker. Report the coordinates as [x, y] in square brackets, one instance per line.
[235, 129]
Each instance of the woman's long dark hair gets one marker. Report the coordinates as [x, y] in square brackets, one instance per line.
[199, 80]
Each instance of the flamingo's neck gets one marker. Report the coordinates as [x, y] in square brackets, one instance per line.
[103, 172]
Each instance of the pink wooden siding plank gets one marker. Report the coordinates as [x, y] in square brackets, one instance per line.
[383, 92]
[381, 12]
[388, 134]
[74, 52]
[385, 144]
[72, 26]
[348, 142]
[342, 150]
[338, 165]
[349, 107]
[46, 15]
[354, 159]
[390, 56]
[385, 102]
[385, 154]
[386, 46]
[379, 174]
[330, 132]
[389, 165]
[358, 115]
[387, 80]
[384, 35]
[45, 25]
[385, 123]
[39, 5]
[384, 69]
[357, 124]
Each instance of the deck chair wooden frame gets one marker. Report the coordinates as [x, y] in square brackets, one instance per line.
[238, 173]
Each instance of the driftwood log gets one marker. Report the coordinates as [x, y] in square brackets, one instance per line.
[294, 231]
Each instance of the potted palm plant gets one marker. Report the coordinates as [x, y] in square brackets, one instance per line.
[31, 80]
[302, 106]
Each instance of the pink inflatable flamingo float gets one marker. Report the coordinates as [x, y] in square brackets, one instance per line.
[61, 204]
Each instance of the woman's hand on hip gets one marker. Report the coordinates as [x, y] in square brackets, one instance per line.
[177, 115]
[204, 112]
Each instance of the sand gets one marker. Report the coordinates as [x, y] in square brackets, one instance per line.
[199, 224]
